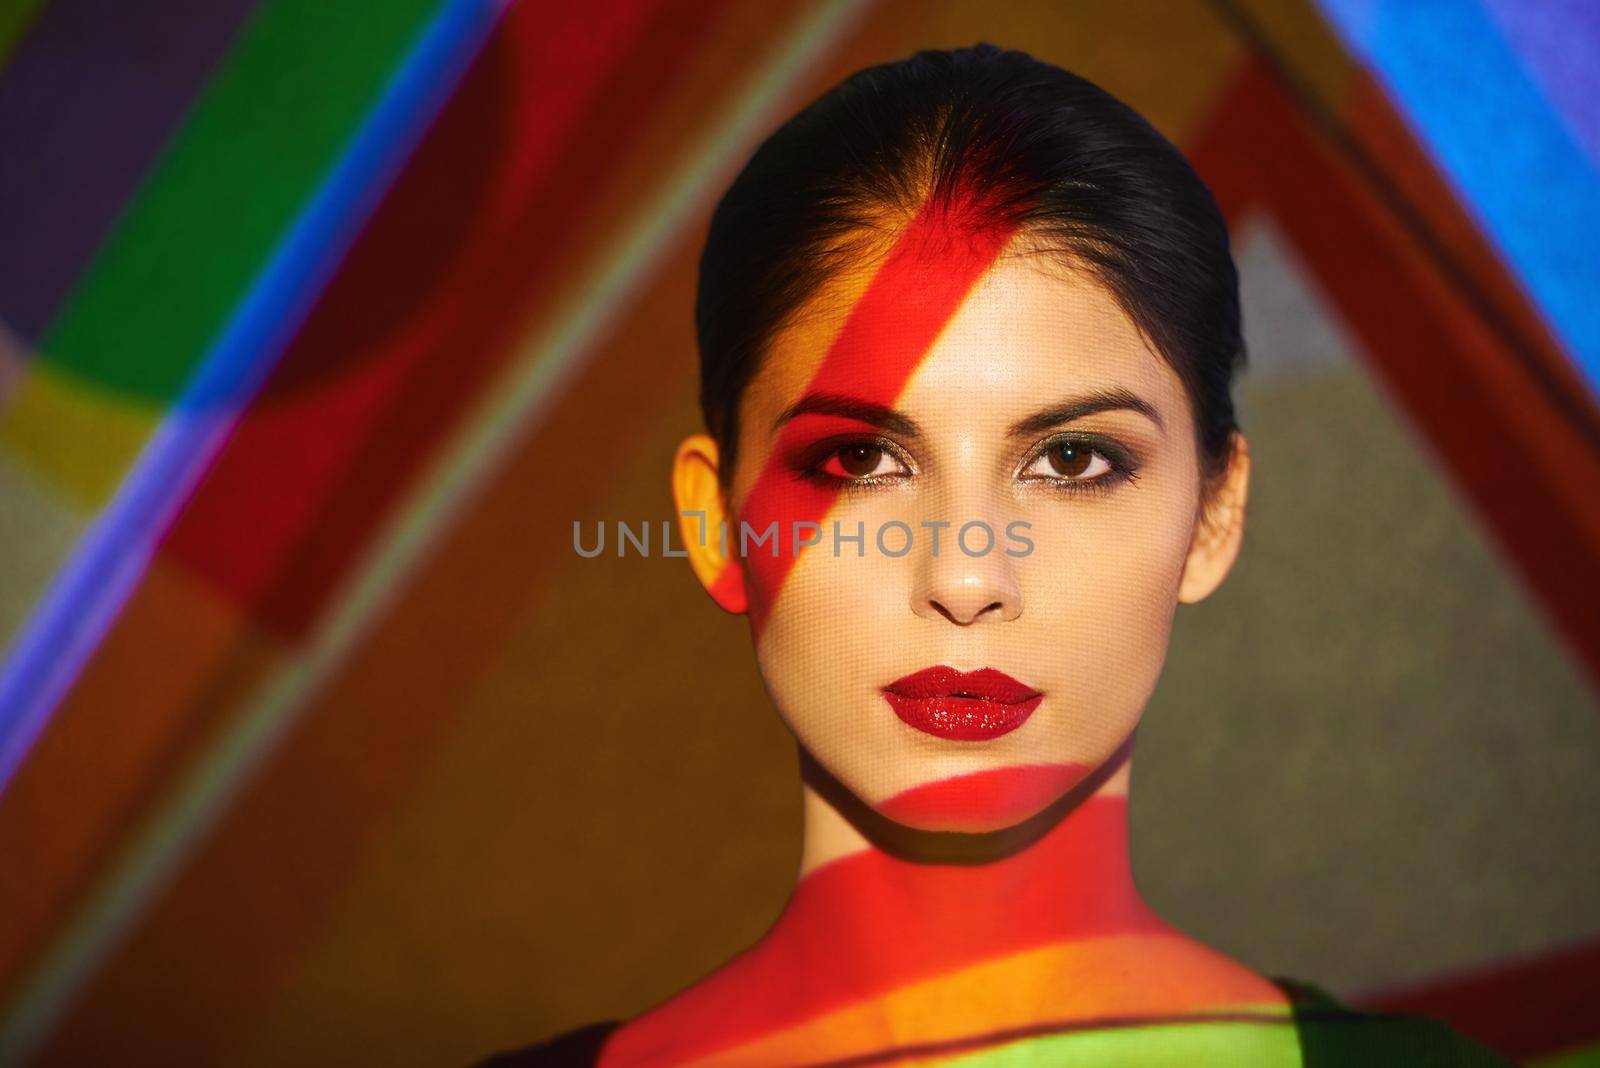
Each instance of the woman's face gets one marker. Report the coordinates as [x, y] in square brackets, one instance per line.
[1028, 403]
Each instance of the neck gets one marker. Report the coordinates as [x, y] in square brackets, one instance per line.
[837, 826]
[893, 938]
[889, 904]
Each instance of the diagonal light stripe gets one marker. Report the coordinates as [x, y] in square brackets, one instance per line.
[105, 567]
[1520, 171]
[513, 406]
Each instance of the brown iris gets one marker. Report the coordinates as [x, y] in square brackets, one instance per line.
[860, 460]
[1070, 458]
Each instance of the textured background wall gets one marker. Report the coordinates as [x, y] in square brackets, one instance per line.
[323, 746]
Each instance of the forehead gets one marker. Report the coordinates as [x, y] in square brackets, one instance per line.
[1029, 331]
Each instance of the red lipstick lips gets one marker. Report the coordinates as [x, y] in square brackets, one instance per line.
[965, 706]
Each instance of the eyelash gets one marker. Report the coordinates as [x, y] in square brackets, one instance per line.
[1122, 466]
[814, 459]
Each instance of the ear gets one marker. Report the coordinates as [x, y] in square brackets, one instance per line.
[702, 521]
[1218, 530]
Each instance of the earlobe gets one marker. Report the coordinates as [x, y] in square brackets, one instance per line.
[1219, 531]
[698, 492]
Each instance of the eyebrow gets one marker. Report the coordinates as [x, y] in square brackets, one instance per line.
[878, 415]
[1101, 400]
[849, 407]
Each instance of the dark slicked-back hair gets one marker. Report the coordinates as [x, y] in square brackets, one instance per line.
[1018, 142]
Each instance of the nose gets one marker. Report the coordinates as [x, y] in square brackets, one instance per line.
[963, 586]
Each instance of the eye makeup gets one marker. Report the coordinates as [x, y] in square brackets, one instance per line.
[811, 463]
[1121, 466]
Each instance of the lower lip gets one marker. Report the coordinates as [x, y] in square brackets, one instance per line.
[962, 719]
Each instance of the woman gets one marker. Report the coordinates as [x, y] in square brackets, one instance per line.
[968, 330]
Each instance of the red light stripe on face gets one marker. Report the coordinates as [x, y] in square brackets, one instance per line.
[910, 299]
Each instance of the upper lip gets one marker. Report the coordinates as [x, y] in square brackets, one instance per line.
[943, 681]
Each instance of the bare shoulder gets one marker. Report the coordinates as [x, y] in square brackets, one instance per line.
[1221, 978]
[679, 1030]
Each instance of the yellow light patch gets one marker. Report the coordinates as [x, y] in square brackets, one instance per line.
[1069, 981]
[79, 438]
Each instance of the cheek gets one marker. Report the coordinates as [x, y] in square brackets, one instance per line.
[841, 621]
[1103, 579]
[780, 516]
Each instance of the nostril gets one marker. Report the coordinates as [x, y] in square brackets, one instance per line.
[957, 620]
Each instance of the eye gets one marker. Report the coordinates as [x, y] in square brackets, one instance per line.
[1075, 461]
[859, 460]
